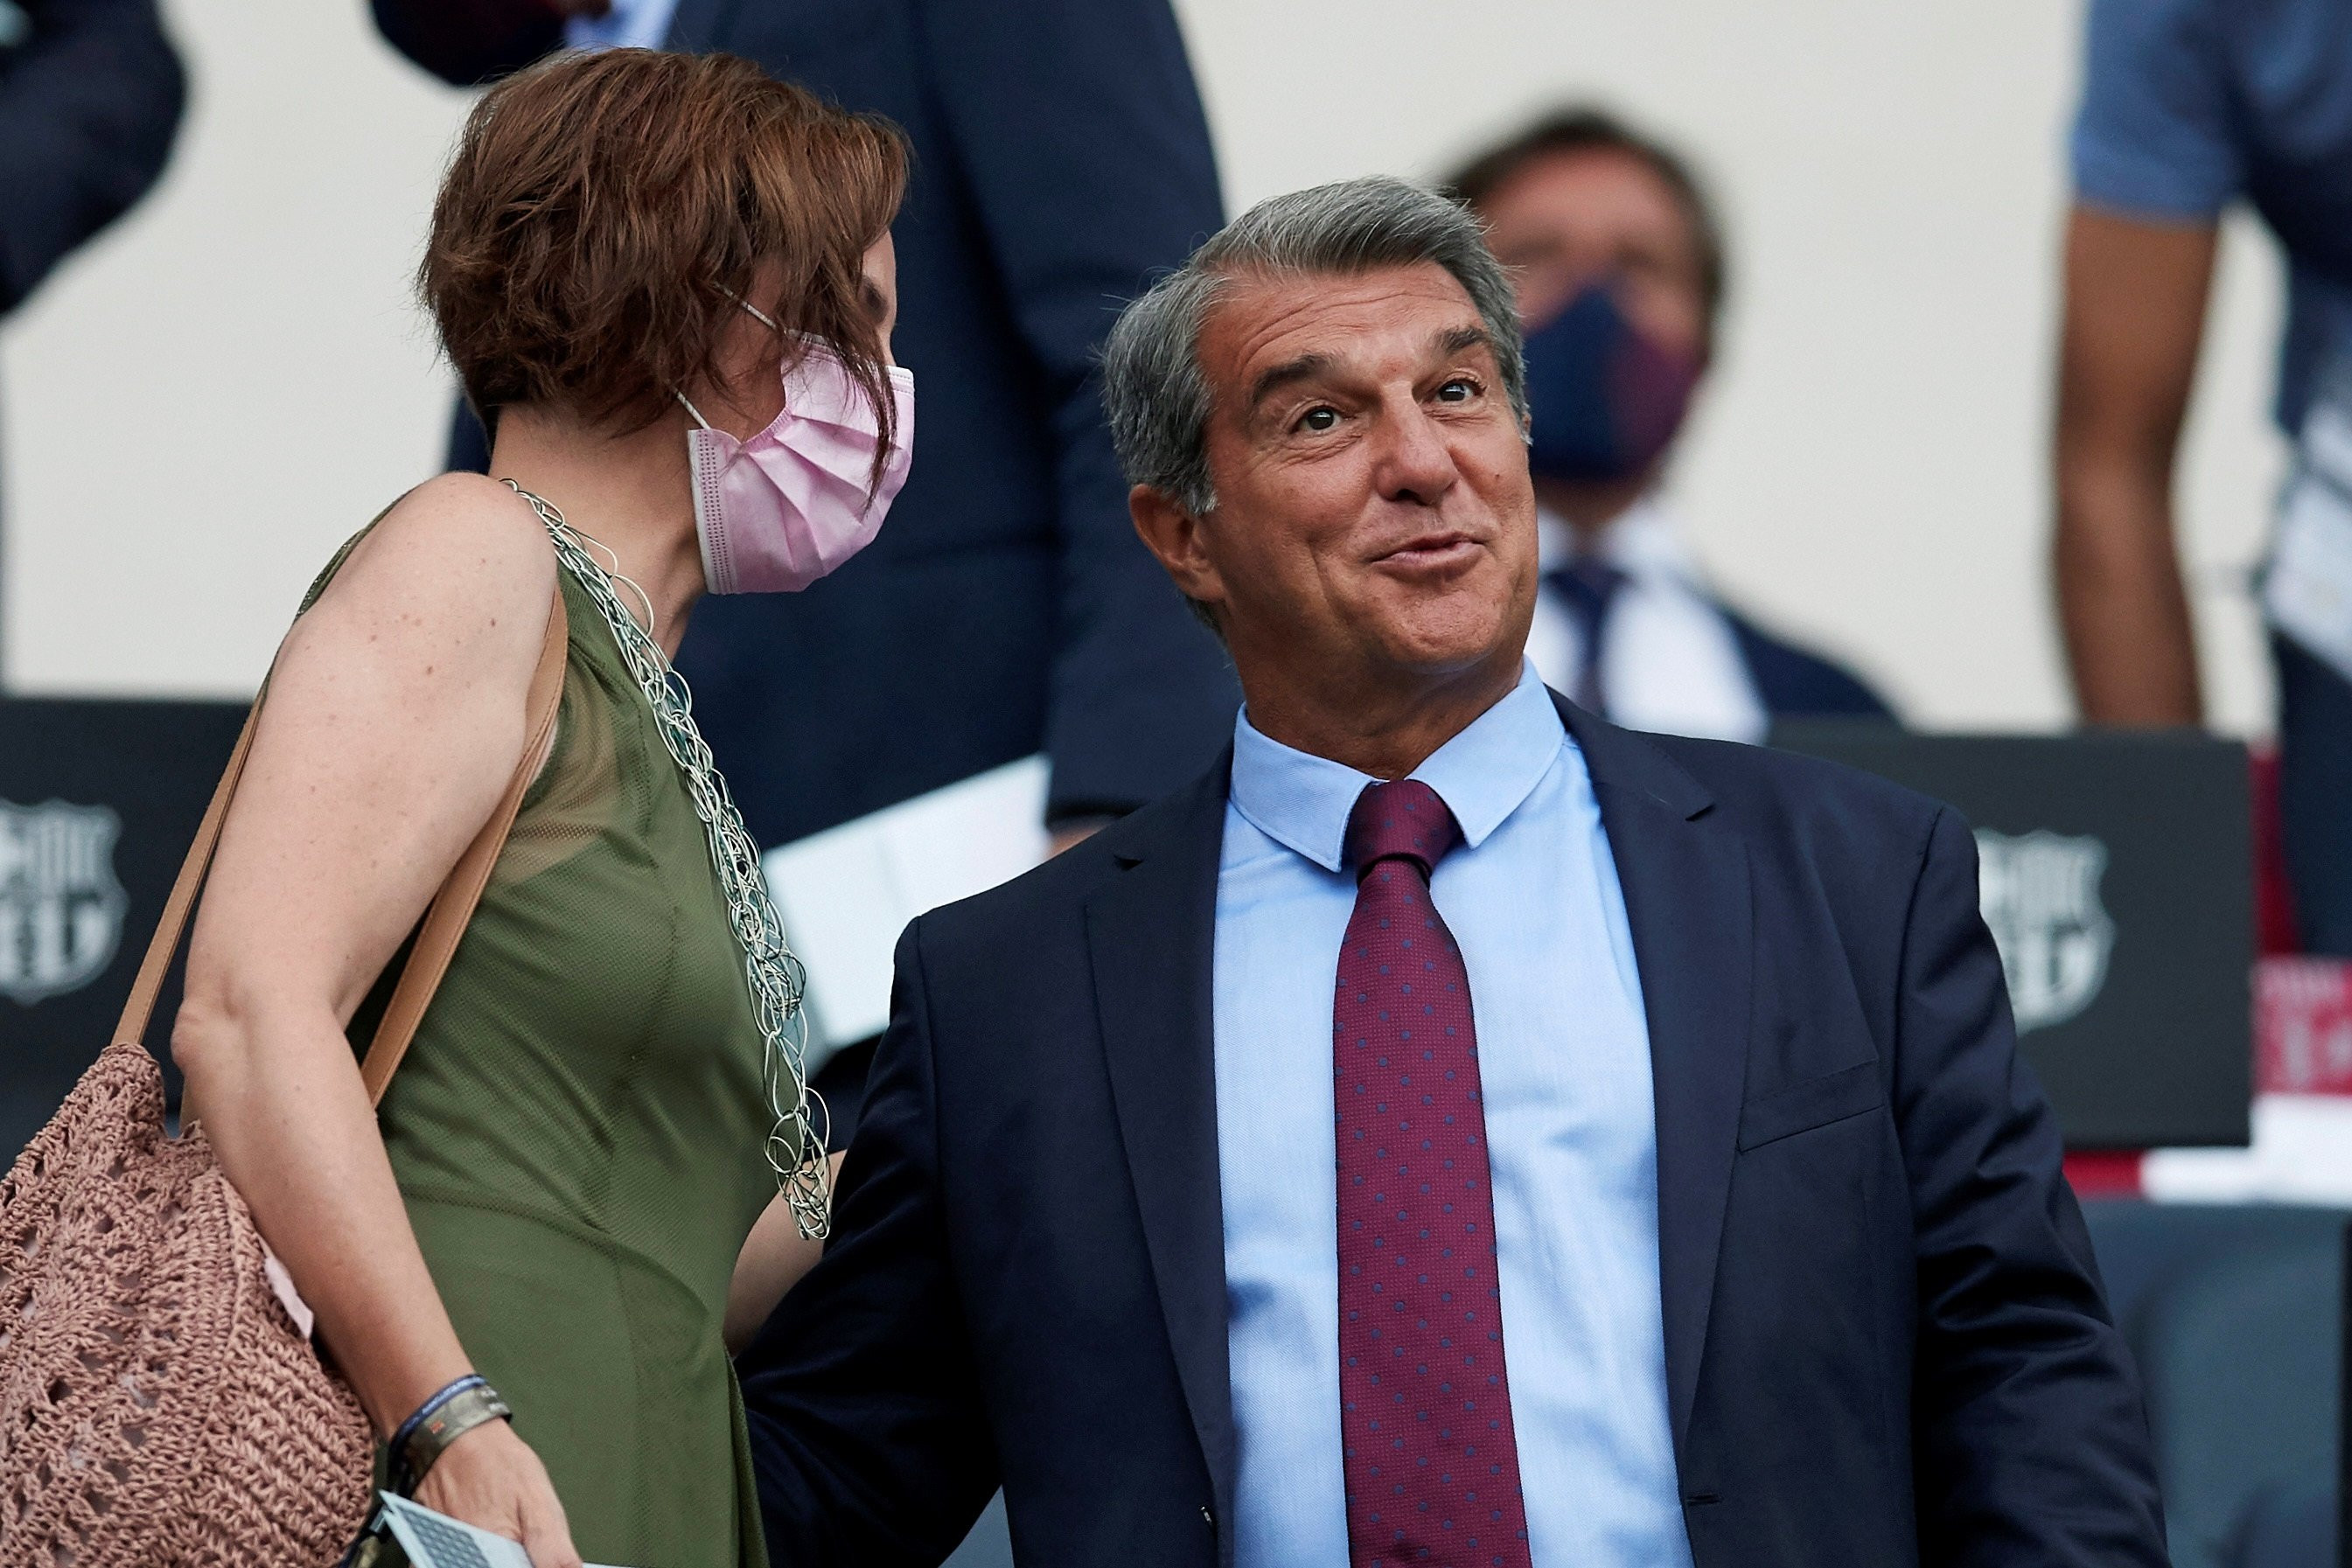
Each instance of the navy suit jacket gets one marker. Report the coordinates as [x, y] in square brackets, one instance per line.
[90, 99]
[1060, 157]
[1797, 682]
[1884, 1336]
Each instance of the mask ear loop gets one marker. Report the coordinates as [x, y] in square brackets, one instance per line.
[761, 317]
[758, 314]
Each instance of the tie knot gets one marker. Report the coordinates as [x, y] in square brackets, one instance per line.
[1401, 819]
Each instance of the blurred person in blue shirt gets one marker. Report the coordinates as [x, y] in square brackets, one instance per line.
[2190, 107]
[1618, 257]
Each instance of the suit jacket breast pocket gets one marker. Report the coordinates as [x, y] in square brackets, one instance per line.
[1814, 1103]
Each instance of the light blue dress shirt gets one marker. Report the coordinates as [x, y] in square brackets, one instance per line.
[1532, 897]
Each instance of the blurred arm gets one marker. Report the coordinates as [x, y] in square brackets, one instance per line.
[2134, 315]
[2029, 1439]
[2156, 158]
[89, 103]
[1078, 126]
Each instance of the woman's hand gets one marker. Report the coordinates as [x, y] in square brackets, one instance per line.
[491, 1479]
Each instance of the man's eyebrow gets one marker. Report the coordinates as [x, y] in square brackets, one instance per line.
[1460, 340]
[1274, 380]
[1444, 345]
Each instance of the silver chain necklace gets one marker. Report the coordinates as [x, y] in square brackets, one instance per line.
[776, 976]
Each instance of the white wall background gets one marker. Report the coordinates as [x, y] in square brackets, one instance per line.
[201, 405]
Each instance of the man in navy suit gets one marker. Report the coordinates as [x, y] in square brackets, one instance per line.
[91, 96]
[1454, 1130]
[1060, 157]
[1618, 255]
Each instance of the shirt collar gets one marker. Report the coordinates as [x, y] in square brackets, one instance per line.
[1302, 800]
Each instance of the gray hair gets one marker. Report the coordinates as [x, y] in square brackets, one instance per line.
[1153, 388]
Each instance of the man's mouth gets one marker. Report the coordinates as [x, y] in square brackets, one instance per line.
[1430, 550]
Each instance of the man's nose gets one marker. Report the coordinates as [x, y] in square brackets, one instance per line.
[1414, 462]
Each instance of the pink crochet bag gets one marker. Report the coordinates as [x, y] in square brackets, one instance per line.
[161, 1405]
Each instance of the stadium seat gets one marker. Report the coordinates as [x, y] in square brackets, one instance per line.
[2236, 1316]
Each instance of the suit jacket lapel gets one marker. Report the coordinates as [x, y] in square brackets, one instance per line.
[1151, 935]
[1687, 900]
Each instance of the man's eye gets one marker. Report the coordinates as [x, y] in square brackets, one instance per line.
[1461, 388]
[1318, 419]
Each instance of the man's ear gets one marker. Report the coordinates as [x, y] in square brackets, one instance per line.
[1173, 536]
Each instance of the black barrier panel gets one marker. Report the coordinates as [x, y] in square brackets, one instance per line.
[2117, 878]
[98, 802]
[2117, 871]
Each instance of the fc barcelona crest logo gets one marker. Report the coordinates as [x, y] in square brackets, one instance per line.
[2040, 893]
[61, 907]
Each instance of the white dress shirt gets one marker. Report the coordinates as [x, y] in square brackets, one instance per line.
[1669, 662]
[1532, 897]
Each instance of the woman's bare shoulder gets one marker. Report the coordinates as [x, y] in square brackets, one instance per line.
[472, 531]
[461, 559]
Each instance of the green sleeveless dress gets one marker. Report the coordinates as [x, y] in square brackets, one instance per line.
[577, 1130]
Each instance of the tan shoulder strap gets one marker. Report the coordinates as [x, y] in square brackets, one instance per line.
[445, 919]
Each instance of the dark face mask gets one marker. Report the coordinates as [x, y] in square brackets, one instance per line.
[1605, 400]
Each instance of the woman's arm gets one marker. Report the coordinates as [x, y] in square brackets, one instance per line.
[396, 717]
[774, 1257]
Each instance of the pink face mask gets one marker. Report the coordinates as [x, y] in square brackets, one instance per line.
[779, 512]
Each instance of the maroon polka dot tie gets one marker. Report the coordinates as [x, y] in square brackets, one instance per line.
[1432, 1471]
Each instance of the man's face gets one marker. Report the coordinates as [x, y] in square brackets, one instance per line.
[1566, 219]
[1374, 520]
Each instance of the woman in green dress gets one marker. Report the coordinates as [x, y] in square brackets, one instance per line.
[667, 283]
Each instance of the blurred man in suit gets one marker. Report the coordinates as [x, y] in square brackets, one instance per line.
[91, 96]
[1060, 157]
[1454, 1130]
[1618, 260]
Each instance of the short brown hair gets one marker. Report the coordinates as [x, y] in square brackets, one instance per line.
[1585, 129]
[599, 229]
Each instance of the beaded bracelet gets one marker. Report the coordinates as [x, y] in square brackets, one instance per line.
[440, 1421]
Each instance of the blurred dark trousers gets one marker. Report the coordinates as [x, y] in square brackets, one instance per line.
[2316, 795]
